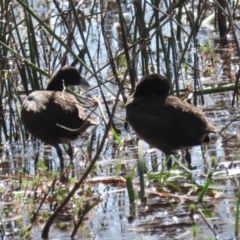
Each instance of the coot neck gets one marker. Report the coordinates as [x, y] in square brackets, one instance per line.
[56, 84]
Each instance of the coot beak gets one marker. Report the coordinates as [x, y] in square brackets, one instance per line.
[83, 82]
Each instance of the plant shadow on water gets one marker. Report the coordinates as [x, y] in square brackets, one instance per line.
[181, 204]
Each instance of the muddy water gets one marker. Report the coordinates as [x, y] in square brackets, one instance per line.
[162, 217]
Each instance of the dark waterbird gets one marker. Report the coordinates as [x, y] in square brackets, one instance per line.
[166, 122]
[55, 116]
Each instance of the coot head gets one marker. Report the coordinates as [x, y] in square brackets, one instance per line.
[163, 121]
[153, 84]
[66, 76]
[55, 116]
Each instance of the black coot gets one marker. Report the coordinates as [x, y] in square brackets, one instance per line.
[165, 122]
[55, 116]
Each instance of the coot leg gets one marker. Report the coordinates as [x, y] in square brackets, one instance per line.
[188, 158]
[59, 153]
[70, 152]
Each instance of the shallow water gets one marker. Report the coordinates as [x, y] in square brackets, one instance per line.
[162, 217]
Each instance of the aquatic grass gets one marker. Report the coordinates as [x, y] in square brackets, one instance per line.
[5, 24]
[33, 48]
[125, 38]
[179, 163]
[237, 215]
[134, 50]
[173, 45]
[204, 189]
[82, 212]
[143, 34]
[22, 45]
[141, 170]
[192, 37]
[114, 71]
[132, 195]
[206, 213]
[179, 29]
[235, 37]
[130, 189]
[33, 53]
[17, 106]
[116, 136]
[77, 185]
[90, 143]
[91, 62]
[53, 34]
[172, 177]
[157, 22]
[24, 60]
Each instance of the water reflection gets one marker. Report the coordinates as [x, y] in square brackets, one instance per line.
[162, 217]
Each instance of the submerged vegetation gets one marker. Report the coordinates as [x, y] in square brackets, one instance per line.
[113, 44]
